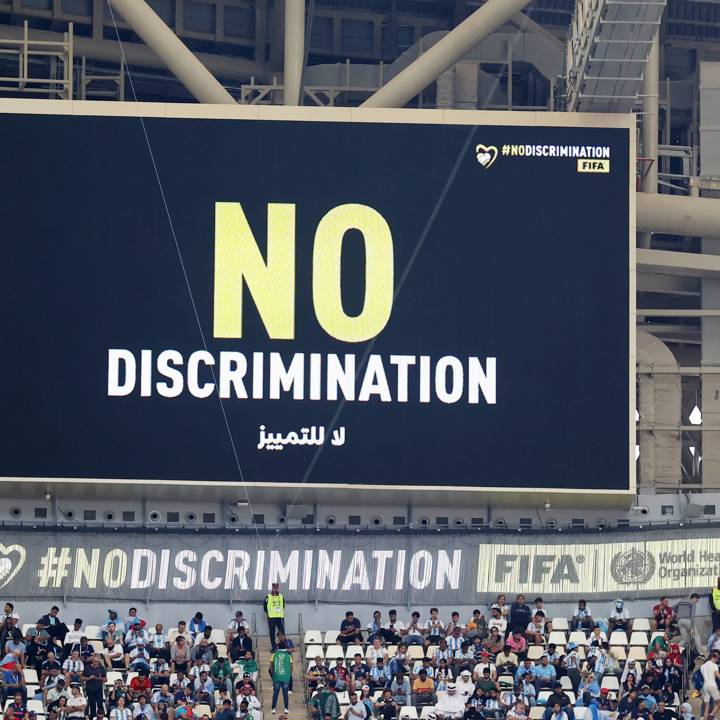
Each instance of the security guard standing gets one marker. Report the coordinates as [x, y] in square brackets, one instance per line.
[274, 607]
[715, 606]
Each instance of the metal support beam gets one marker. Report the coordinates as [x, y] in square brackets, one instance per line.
[294, 50]
[445, 53]
[678, 215]
[172, 51]
[139, 55]
[650, 118]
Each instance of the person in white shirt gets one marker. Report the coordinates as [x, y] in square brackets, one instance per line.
[139, 657]
[497, 620]
[434, 627]
[395, 629]
[710, 674]
[414, 632]
[478, 671]
[455, 622]
[142, 710]
[619, 619]
[596, 635]
[517, 711]
[357, 709]
[464, 685]
[137, 634]
[76, 703]
[451, 705]
[9, 612]
[375, 651]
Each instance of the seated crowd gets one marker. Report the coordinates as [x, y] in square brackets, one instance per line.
[516, 663]
[127, 669]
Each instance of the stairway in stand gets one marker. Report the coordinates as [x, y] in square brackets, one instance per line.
[298, 708]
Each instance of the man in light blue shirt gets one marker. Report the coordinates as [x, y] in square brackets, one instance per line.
[545, 674]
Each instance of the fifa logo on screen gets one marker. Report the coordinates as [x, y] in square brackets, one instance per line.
[271, 282]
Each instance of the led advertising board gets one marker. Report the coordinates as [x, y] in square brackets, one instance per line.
[277, 299]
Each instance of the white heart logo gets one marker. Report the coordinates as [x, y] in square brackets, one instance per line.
[486, 155]
[8, 569]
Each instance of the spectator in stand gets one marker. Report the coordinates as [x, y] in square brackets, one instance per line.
[557, 697]
[710, 676]
[477, 625]
[497, 620]
[506, 661]
[450, 706]
[358, 672]
[375, 627]
[443, 675]
[464, 685]
[663, 615]
[394, 629]
[713, 642]
[535, 631]
[385, 707]
[241, 644]
[349, 630]
[93, 677]
[339, 675]
[494, 642]
[73, 668]
[659, 646]
[443, 652]
[414, 631]
[112, 619]
[120, 712]
[375, 651]
[455, 640]
[197, 625]
[685, 614]
[52, 624]
[179, 655]
[139, 685]
[517, 711]
[158, 645]
[204, 690]
[139, 658]
[113, 654]
[325, 704]
[582, 619]
[317, 673]
[434, 628]
[76, 703]
[589, 684]
[557, 713]
[423, 690]
[237, 622]
[540, 607]
[455, 622]
[10, 614]
[545, 674]
[571, 665]
[619, 618]
[400, 689]
[132, 618]
[464, 658]
[517, 643]
[520, 614]
[221, 673]
[379, 675]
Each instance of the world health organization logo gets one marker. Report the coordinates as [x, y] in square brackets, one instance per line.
[632, 566]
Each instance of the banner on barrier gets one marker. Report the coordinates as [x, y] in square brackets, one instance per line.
[386, 568]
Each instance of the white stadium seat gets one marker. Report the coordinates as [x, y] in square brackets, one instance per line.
[331, 636]
[638, 638]
[560, 623]
[641, 624]
[408, 712]
[313, 637]
[557, 637]
[618, 637]
[312, 651]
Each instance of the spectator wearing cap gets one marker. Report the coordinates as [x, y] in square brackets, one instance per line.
[582, 619]
[76, 703]
[477, 625]
[132, 618]
[350, 630]
[481, 666]
[136, 635]
[423, 690]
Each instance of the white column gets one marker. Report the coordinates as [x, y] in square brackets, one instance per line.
[650, 122]
[294, 49]
[445, 53]
[171, 50]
